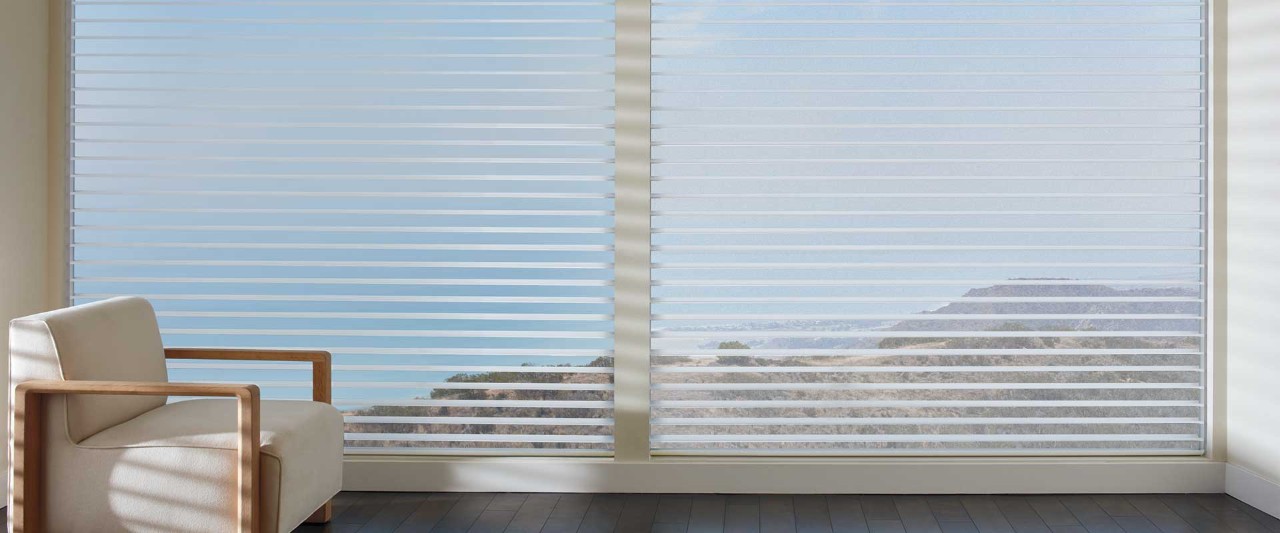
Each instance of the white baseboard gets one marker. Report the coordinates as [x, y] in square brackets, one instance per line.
[896, 476]
[1250, 488]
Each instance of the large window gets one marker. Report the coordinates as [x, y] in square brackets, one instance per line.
[922, 227]
[422, 188]
[878, 227]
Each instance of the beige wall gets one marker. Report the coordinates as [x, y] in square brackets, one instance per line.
[1253, 225]
[23, 163]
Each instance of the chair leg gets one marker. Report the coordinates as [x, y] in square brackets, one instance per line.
[322, 515]
[26, 505]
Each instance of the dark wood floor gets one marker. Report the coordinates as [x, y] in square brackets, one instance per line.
[696, 513]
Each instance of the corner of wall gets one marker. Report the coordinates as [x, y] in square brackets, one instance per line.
[1253, 372]
[1253, 489]
[24, 172]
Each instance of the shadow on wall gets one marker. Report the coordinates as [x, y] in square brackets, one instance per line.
[1253, 260]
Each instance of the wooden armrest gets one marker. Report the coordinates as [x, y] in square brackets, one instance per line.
[321, 363]
[27, 512]
[136, 388]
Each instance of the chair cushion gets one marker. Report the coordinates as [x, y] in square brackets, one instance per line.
[301, 447]
[111, 340]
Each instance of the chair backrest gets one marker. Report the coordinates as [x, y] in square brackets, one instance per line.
[116, 339]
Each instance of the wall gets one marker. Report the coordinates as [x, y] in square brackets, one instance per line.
[1253, 226]
[23, 165]
[27, 272]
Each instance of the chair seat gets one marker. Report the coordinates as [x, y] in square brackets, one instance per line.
[301, 448]
[288, 426]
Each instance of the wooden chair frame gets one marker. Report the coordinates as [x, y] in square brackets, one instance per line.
[27, 512]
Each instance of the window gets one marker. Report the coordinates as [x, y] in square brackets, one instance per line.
[878, 227]
[422, 188]
[928, 227]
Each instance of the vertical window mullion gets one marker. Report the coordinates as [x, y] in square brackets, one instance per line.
[632, 225]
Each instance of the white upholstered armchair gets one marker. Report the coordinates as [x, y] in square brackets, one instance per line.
[95, 447]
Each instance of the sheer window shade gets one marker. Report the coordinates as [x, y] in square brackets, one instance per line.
[879, 227]
[908, 227]
[422, 188]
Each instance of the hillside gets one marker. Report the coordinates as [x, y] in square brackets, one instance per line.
[738, 355]
[494, 394]
[962, 307]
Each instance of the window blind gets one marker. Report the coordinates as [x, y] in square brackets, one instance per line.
[905, 227]
[422, 188]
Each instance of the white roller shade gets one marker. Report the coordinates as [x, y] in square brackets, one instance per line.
[905, 227]
[422, 188]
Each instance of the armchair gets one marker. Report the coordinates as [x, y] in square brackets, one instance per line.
[95, 446]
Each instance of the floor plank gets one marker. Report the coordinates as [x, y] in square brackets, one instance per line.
[1052, 511]
[812, 514]
[362, 509]
[568, 513]
[429, 513]
[638, 513]
[533, 513]
[570, 505]
[1160, 514]
[1136, 524]
[403, 512]
[602, 515]
[1090, 514]
[916, 515]
[1236, 519]
[327, 528]
[398, 508]
[948, 509]
[707, 513]
[673, 509]
[777, 514]
[343, 500]
[879, 508]
[1272, 523]
[510, 501]
[886, 526]
[742, 519]
[1190, 511]
[561, 524]
[464, 513]
[1116, 505]
[846, 514]
[1020, 514]
[957, 526]
[986, 515]
[492, 521]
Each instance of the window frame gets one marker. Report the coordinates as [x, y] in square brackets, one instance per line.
[632, 467]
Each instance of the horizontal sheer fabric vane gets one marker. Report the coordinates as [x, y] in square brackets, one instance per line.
[879, 227]
[941, 228]
[423, 188]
